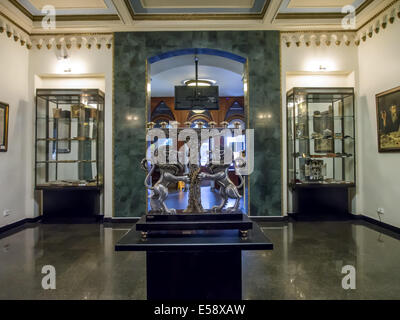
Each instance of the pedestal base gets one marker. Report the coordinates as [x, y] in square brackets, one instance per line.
[194, 275]
[205, 265]
[319, 203]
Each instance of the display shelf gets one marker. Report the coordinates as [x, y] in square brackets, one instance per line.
[330, 138]
[67, 139]
[315, 156]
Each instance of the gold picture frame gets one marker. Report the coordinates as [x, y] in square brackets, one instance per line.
[4, 115]
[388, 120]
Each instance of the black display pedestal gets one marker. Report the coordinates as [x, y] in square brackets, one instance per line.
[196, 265]
[194, 275]
[71, 205]
[319, 202]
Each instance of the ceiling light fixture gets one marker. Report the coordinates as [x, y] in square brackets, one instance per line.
[200, 82]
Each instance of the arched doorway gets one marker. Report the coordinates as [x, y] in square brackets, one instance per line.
[220, 68]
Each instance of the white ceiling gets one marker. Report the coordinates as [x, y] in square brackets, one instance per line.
[168, 73]
[153, 15]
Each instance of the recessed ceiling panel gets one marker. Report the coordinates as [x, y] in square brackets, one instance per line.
[198, 7]
[197, 4]
[317, 6]
[69, 7]
[318, 3]
[70, 4]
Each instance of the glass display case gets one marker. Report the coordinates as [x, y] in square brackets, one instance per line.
[321, 137]
[69, 138]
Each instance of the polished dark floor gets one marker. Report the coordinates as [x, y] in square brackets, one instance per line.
[306, 263]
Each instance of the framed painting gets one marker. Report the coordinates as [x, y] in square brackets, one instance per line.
[388, 119]
[4, 126]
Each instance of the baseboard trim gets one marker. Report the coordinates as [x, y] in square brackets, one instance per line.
[120, 220]
[19, 223]
[360, 217]
[269, 218]
[377, 223]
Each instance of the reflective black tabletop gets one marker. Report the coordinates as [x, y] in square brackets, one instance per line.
[194, 240]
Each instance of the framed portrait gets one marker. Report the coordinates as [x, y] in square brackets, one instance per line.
[388, 118]
[4, 126]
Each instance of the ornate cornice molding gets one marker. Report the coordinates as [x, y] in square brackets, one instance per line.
[381, 20]
[318, 38]
[59, 41]
[14, 32]
[68, 41]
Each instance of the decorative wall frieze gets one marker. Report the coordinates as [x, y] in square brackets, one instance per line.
[318, 38]
[14, 33]
[95, 41]
[70, 41]
[382, 20]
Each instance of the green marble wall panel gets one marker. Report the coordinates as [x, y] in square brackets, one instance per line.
[132, 49]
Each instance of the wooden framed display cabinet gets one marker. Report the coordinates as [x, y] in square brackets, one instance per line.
[69, 143]
[320, 150]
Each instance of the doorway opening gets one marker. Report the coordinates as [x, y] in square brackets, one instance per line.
[227, 72]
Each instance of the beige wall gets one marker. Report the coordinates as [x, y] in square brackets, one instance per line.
[378, 173]
[89, 68]
[300, 68]
[15, 163]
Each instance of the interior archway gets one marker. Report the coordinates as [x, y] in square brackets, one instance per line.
[220, 68]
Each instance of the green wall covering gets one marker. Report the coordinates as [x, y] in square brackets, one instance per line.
[131, 49]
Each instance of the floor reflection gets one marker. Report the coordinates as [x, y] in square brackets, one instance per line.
[305, 264]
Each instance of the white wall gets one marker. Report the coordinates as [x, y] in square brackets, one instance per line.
[301, 68]
[378, 173]
[15, 163]
[89, 69]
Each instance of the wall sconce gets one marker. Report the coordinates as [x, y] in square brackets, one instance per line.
[67, 64]
[64, 62]
[264, 116]
[131, 117]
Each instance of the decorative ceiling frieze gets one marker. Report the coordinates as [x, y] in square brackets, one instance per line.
[383, 19]
[14, 32]
[380, 21]
[318, 38]
[90, 40]
[100, 16]
[69, 41]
